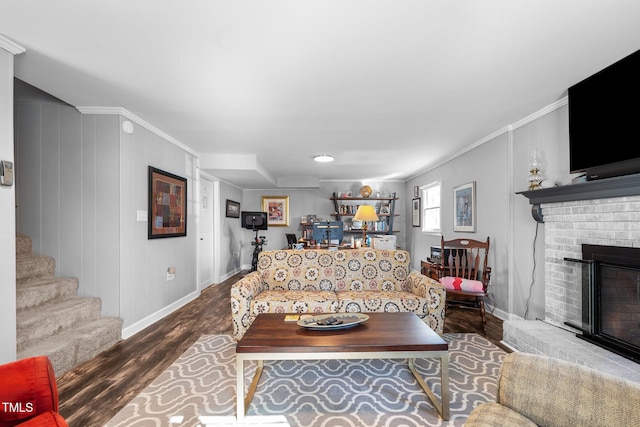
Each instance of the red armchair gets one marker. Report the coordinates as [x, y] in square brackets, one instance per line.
[29, 394]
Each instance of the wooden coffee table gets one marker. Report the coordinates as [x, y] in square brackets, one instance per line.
[382, 336]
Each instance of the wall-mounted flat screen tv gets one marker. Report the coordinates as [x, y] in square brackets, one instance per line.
[604, 121]
[254, 220]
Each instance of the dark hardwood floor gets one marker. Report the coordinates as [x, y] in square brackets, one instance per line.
[95, 391]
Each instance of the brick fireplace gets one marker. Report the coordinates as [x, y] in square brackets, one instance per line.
[603, 213]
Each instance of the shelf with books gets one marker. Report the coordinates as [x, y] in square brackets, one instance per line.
[346, 207]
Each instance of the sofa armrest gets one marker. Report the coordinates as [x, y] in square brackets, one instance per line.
[242, 293]
[27, 388]
[554, 392]
[426, 287]
[493, 414]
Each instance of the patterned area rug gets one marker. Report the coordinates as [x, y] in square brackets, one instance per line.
[198, 389]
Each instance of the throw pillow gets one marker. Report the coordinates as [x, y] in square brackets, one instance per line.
[460, 284]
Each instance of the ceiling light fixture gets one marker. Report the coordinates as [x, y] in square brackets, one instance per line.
[323, 158]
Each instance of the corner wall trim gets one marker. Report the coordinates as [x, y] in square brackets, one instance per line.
[11, 46]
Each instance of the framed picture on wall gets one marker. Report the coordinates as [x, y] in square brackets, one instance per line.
[415, 212]
[167, 204]
[464, 208]
[233, 209]
[277, 209]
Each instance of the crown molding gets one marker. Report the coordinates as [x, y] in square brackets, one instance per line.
[11, 46]
[129, 115]
[506, 129]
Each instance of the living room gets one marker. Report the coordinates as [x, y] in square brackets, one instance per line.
[82, 208]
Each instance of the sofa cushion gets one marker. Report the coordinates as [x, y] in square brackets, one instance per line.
[294, 302]
[381, 301]
[495, 415]
[372, 270]
[289, 270]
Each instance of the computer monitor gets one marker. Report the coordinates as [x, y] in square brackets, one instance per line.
[331, 229]
[254, 220]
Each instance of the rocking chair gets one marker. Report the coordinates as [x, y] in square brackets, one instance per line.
[464, 272]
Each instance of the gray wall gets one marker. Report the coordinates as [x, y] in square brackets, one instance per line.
[81, 181]
[230, 233]
[7, 213]
[316, 201]
[500, 165]
[145, 292]
[66, 159]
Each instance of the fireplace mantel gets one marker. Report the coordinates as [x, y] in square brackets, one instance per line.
[619, 186]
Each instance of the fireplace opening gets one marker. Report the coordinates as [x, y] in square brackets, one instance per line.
[611, 298]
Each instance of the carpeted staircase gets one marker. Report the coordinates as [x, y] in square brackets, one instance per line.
[51, 319]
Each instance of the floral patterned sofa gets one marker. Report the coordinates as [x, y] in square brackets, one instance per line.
[325, 281]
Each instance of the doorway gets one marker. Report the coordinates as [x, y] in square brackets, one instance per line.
[206, 245]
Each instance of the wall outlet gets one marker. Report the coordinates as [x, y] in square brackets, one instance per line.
[170, 276]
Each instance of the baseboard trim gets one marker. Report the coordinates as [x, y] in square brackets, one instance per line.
[131, 330]
[230, 274]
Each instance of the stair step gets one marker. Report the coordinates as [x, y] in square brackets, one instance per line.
[50, 319]
[74, 346]
[23, 245]
[38, 292]
[34, 267]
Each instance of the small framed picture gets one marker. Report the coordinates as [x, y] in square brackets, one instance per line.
[415, 212]
[277, 209]
[416, 191]
[233, 209]
[384, 209]
[464, 208]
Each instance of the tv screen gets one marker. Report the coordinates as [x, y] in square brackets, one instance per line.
[604, 136]
[254, 220]
[333, 229]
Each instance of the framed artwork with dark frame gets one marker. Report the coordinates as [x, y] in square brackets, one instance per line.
[233, 209]
[415, 212]
[277, 209]
[464, 208]
[167, 204]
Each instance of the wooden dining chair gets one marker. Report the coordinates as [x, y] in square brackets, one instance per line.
[291, 240]
[464, 272]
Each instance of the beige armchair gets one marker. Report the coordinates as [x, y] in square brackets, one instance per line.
[535, 390]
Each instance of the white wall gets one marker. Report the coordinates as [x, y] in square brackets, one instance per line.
[7, 213]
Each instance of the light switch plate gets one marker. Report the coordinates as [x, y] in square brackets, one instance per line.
[142, 216]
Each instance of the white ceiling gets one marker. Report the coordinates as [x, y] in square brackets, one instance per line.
[257, 87]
